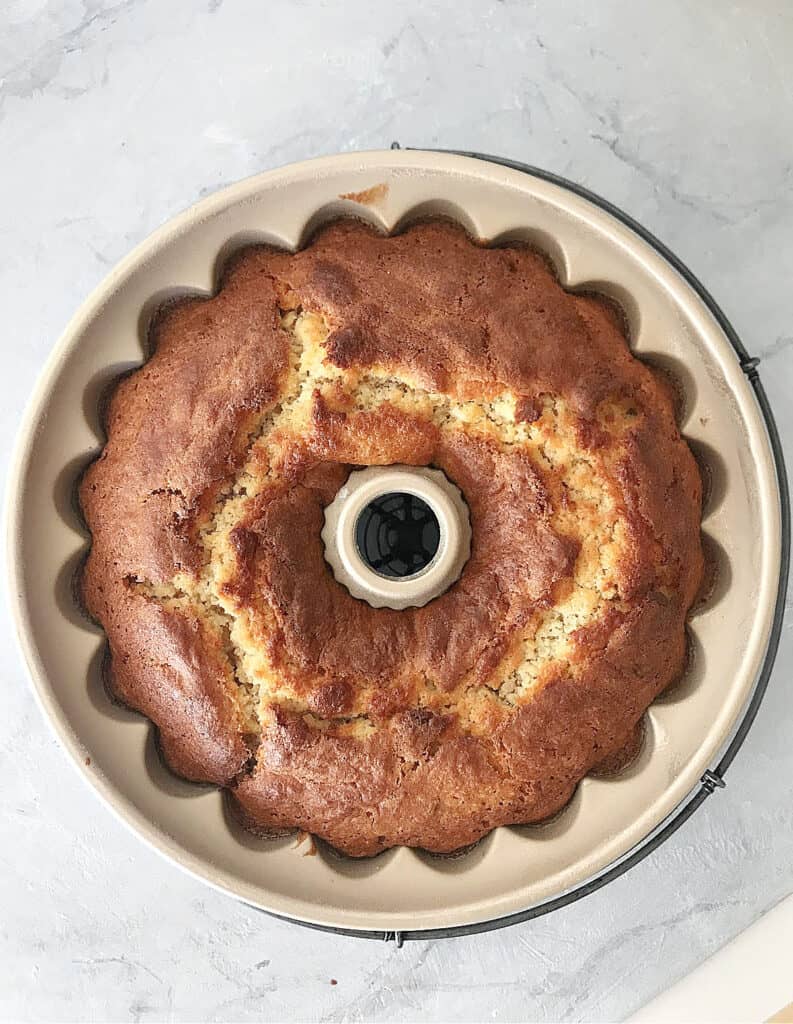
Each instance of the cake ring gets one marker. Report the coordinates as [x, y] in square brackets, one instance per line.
[427, 725]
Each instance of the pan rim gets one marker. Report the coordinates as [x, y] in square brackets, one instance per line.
[37, 406]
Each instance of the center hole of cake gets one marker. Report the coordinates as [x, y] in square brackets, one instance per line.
[397, 534]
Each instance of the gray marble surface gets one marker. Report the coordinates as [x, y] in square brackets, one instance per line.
[113, 116]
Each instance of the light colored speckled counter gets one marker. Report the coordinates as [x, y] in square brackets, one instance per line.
[113, 116]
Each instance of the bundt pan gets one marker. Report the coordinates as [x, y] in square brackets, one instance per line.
[691, 734]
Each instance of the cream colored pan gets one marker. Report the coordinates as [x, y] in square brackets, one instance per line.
[514, 868]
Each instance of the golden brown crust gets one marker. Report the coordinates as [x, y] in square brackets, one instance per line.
[428, 726]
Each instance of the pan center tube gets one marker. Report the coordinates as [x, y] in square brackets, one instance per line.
[397, 536]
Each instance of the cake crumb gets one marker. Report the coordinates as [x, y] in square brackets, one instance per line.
[369, 196]
[311, 849]
[87, 761]
[333, 981]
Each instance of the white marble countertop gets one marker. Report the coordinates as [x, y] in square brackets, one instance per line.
[115, 115]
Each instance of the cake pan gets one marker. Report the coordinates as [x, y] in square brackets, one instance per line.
[691, 734]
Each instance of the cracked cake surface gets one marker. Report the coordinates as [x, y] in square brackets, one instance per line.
[374, 727]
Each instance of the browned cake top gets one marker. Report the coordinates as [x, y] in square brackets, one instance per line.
[371, 727]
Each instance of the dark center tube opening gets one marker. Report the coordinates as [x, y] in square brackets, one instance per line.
[397, 534]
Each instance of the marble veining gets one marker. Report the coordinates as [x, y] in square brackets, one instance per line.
[114, 116]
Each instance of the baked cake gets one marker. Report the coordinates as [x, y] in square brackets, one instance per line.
[371, 727]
